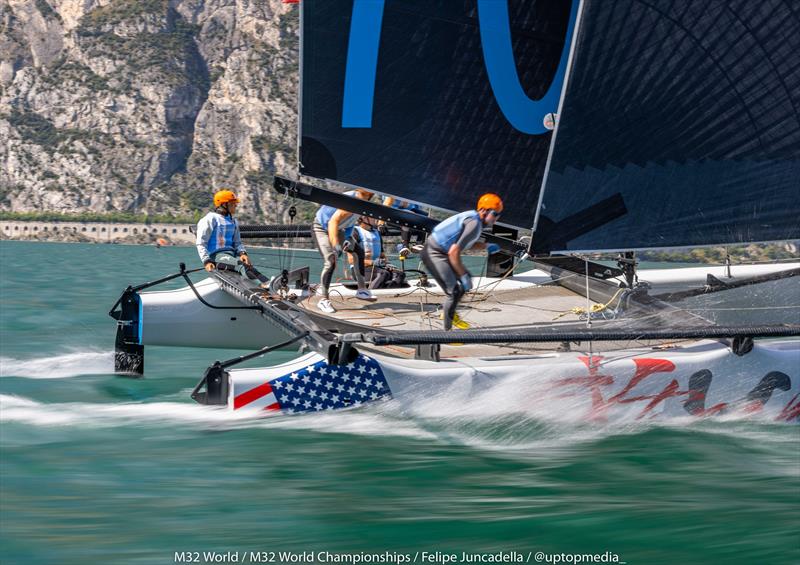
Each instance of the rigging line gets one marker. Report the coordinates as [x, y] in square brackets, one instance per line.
[410, 292]
[517, 305]
[289, 253]
[281, 250]
[487, 291]
[485, 288]
[595, 308]
[589, 315]
[511, 272]
[430, 321]
[264, 254]
[202, 300]
[397, 325]
[700, 309]
[474, 292]
[422, 314]
[281, 247]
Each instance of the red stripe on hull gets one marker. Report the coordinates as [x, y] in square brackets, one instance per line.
[251, 395]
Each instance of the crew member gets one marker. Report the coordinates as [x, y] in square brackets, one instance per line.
[448, 240]
[332, 231]
[374, 268]
[219, 242]
[404, 248]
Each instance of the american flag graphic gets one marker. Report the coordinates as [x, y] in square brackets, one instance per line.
[318, 386]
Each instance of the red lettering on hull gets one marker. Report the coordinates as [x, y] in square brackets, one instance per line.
[791, 411]
[644, 368]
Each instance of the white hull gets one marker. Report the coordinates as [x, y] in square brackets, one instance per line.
[698, 380]
[177, 318]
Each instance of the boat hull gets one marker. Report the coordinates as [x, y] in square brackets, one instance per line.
[178, 318]
[697, 380]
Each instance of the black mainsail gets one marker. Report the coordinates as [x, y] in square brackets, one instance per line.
[434, 101]
[687, 111]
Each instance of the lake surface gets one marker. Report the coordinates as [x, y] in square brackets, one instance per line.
[97, 468]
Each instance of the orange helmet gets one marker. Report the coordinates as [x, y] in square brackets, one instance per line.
[224, 196]
[490, 201]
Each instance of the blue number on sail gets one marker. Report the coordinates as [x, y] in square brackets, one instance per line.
[523, 113]
[362, 63]
[495, 29]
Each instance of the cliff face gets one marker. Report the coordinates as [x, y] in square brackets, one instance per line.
[145, 105]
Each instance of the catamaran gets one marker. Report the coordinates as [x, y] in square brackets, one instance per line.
[606, 127]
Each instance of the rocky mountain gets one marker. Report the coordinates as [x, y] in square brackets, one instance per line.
[146, 105]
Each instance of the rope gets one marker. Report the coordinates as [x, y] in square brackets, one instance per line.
[200, 298]
[594, 309]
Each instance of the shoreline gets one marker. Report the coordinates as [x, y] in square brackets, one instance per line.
[97, 232]
[114, 233]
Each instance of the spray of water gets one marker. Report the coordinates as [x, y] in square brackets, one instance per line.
[62, 366]
[500, 419]
[149, 414]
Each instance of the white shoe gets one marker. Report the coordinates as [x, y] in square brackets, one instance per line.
[365, 294]
[404, 252]
[326, 306]
[416, 248]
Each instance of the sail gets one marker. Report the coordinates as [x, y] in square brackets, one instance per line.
[434, 101]
[688, 113]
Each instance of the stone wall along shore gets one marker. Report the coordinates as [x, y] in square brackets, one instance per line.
[98, 232]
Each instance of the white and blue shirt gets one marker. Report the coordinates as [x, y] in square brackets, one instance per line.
[370, 241]
[325, 213]
[216, 233]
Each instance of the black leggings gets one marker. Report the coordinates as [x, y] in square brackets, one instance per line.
[438, 265]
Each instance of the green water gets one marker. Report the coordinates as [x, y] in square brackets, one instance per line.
[101, 469]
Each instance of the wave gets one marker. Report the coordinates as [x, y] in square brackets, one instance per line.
[509, 433]
[504, 416]
[523, 434]
[82, 414]
[63, 366]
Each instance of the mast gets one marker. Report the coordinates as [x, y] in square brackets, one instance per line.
[572, 47]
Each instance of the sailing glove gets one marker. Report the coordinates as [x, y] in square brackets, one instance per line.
[492, 248]
[338, 249]
[466, 282]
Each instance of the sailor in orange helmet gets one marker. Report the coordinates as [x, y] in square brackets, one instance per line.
[443, 249]
[219, 242]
